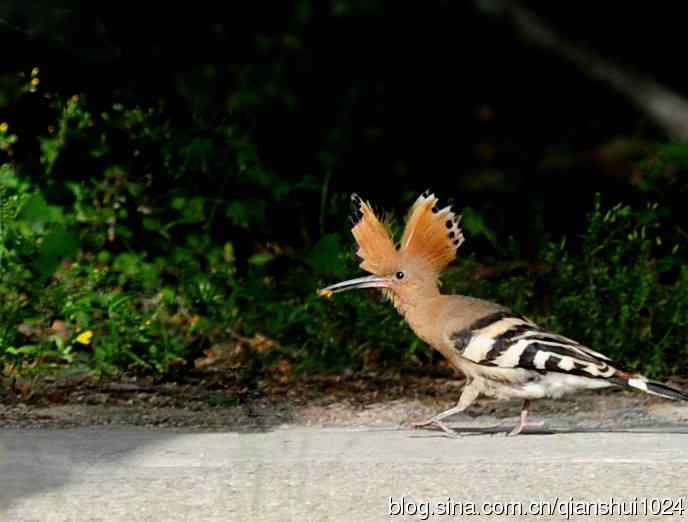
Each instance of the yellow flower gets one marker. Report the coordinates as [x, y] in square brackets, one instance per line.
[84, 337]
[4, 127]
[35, 82]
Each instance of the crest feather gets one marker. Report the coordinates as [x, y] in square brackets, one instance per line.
[375, 245]
[432, 235]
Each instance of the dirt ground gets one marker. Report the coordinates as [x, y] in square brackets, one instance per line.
[215, 403]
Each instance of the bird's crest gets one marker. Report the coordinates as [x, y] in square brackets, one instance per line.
[431, 236]
[375, 245]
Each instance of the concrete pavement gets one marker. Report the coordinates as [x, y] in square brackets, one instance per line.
[303, 473]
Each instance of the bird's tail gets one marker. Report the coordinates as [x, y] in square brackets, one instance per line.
[652, 387]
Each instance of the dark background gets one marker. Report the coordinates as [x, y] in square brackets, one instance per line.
[258, 119]
[389, 97]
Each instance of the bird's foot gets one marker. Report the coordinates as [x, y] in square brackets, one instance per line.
[524, 426]
[423, 424]
[434, 423]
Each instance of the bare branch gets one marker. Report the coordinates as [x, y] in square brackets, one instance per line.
[667, 109]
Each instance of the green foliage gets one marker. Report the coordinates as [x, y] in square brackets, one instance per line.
[627, 293]
[144, 257]
[622, 290]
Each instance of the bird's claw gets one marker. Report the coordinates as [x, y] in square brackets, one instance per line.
[433, 423]
[524, 425]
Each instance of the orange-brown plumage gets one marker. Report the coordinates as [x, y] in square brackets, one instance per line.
[431, 235]
[430, 240]
[375, 245]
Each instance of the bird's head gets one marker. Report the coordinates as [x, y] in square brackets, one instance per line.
[429, 243]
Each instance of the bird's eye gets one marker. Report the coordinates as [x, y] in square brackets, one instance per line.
[400, 275]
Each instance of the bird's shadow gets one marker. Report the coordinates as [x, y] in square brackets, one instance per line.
[505, 430]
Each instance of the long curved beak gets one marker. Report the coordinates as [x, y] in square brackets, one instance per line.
[353, 284]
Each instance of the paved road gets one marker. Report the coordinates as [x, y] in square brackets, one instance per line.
[299, 474]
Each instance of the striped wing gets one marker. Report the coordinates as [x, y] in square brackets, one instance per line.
[508, 340]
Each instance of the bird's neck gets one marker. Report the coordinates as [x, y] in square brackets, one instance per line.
[420, 309]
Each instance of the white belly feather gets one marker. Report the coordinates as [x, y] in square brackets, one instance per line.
[552, 385]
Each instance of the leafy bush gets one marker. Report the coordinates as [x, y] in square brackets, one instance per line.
[140, 242]
[622, 289]
[626, 292]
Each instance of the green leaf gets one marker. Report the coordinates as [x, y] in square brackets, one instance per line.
[127, 263]
[246, 213]
[153, 224]
[199, 153]
[675, 153]
[37, 212]
[55, 247]
[193, 211]
[325, 258]
[280, 189]
[116, 301]
[104, 256]
[27, 349]
[50, 150]
[178, 202]
[259, 176]
[261, 258]
[475, 225]
[168, 295]
[8, 177]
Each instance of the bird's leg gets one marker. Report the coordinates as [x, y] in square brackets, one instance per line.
[524, 420]
[469, 394]
[436, 421]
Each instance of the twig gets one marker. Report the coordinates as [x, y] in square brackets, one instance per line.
[661, 105]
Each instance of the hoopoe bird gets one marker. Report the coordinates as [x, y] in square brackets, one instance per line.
[502, 354]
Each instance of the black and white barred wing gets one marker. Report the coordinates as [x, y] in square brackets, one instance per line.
[508, 340]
